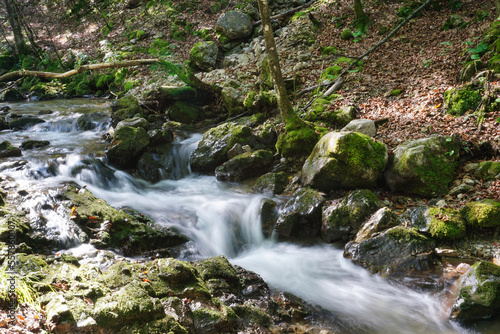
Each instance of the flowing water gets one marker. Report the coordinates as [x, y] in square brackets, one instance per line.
[219, 218]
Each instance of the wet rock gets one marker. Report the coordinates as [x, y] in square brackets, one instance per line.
[273, 183]
[480, 215]
[365, 126]
[7, 150]
[234, 25]
[86, 122]
[343, 218]
[345, 160]
[423, 167]
[216, 142]
[160, 136]
[24, 123]
[125, 107]
[269, 215]
[393, 253]
[245, 166]
[150, 169]
[381, 220]
[301, 215]
[220, 276]
[135, 122]
[203, 55]
[128, 143]
[31, 144]
[479, 295]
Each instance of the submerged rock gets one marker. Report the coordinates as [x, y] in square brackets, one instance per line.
[31, 144]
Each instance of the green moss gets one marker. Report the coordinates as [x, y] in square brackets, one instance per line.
[250, 100]
[343, 60]
[483, 214]
[120, 76]
[488, 170]
[494, 64]
[446, 223]
[297, 15]
[354, 154]
[296, 141]
[407, 235]
[492, 33]
[396, 92]
[330, 73]
[460, 100]
[346, 34]
[329, 50]
[166, 325]
[254, 314]
[105, 80]
[137, 34]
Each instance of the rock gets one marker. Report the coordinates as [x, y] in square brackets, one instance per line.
[319, 111]
[183, 112]
[85, 122]
[479, 295]
[31, 144]
[268, 215]
[453, 21]
[301, 215]
[343, 218]
[441, 252]
[393, 253]
[245, 166]
[221, 276]
[381, 220]
[480, 215]
[203, 55]
[487, 170]
[273, 183]
[160, 137]
[150, 169]
[128, 143]
[470, 69]
[423, 167]
[233, 100]
[125, 107]
[345, 160]
[445, 224]
[135, 122]
[234, 25]
[365, 126]
[7, 150]
[460, 100]
[24, 122]
[237, 149]
[460, 189]
[216, 142]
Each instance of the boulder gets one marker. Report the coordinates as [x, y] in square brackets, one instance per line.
[245, 166]
[203, 55]
[234, 25]
[215, 143]
[345, 160]
[135, 122]
[268, 216]
[125, 107]
[487, 170]
[301, 216]
[128, 143]
[320, 111]
[160, 136]
[24, 123]
[31, 144]
[381, 220]
[445, 223]
[273, 183]
[365, 126]
[343, 218]
[479, 294]
[480, 215]
[395, 252]
[459, 100]
[7, 150]
[183, 112]
[423, 167]
[85, 122]
[233, 100]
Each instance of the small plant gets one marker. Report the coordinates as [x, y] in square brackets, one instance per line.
[478, 51]
[427, 62]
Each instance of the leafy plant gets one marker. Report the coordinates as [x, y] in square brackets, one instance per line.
[479, 50]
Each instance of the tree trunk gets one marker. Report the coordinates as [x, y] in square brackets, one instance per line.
[284, 105]
[497, 5]
[14, 21]
[359, 14]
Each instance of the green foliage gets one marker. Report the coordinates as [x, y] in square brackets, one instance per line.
[346, 34]
[479, 50]
[329, 50]
[137, 34]
[160, 48]
[330, 73]
[297, 16]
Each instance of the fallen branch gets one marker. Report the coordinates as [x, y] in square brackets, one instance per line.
[291, 11]
[338, 83]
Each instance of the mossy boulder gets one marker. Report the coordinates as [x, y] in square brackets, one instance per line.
[345, 160]
[487, 170]
[470, 69]
[128, 143]
[216, 142]
[183, 112]
[459, 100]
[320, 110]
[234, 25]
[233, 100]
[125, 107]
[203, 55]
[479, 295]
[25, 122]
[445, 224]
[273, 183]
[7, 150]
[423, 167]
[343, 218]
[395, 252]
[296, 141]
[245, 166]
[484, 214]
[380, 221]
[301, 216]
[220, 276]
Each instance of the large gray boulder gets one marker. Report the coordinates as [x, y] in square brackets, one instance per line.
[216, 142]
[343, 218]
[423, 167]
[234, 25]
[479, 295]
[366, 126]
[345, 160]
[203, 55]
[381, 220]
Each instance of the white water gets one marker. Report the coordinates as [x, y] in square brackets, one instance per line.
[219, 218]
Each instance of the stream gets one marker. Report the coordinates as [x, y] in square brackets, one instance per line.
[219, 218]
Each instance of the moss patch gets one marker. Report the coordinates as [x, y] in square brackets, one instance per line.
[483, 214]
[446, 223]
[460, 100]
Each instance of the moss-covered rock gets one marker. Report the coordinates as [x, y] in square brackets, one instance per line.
[346, 34]
[479, 295]
[125, 107]
[135, 122]
[7, 150]
[488, 170]
[128, 143]
[183, 112]
[220, 276]
[343, 218]
[245, 166]
[483, 214]
[216, 142]
[25, 122]
[423, 167]
[445, 224]
[345, 160]
[381, 220]
[461, 99]
[301, 216]
[470, 69]
[273, 183]
[320, 110]
[203, 55]
[233, 100]
[296, 141]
